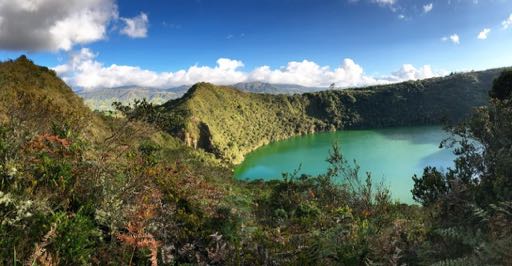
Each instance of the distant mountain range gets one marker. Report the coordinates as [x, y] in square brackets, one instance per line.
[102, 99]
[264, 87]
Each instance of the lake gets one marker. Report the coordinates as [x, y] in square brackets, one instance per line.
[392, 155]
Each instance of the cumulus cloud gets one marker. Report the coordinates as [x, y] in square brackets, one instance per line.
[409, 72]
[507, 22]
[53, 24]
[308, 73]
[83, 70]
[428, 7]
[483, 34]
[136, 27]
[454, 38]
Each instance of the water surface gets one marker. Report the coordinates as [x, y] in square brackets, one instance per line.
[392, 155]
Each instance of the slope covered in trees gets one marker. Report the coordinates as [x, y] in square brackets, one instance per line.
[80, 188]
[102, 98]
[471, 205]
[230, 123]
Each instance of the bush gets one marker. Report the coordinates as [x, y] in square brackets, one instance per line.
[76, 238]
[430, 187]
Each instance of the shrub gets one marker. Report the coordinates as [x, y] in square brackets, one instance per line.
[76, 239]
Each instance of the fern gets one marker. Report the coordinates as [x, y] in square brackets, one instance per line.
[492, 246]
[464, 261]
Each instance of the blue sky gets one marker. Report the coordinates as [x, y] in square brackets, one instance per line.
[388, 40]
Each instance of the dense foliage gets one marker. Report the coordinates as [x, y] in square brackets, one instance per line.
[471, 204]
[81, 188]
[230, 123]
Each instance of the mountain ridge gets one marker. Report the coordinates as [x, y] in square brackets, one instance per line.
[230, 123]
[34, 96]
[102, 99]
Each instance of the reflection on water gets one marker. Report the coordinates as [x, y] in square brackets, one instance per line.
[392, 155]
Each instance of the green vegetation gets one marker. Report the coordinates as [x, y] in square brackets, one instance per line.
[471, 205]
[80, 188]
[36, 98]
[231, 123]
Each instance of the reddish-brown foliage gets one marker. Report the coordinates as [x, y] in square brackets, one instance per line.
[51, 144]
[145, 209]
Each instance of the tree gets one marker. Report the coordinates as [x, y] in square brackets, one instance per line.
[429, 187]
[502, 86]
[471, 203]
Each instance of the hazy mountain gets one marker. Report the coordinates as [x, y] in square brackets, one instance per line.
[102, 99]
[264, 87]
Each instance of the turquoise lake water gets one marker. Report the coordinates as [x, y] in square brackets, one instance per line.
[392, 155]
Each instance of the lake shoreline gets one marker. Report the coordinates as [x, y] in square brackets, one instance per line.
[396, 147]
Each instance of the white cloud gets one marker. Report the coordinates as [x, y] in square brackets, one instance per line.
[39, 25]
[507, 22]
[409, 72]
[454, 38]
[308, 73]
[385, 2]
[428, 7]
[84, 71]
[483, 34]
[136, 27]
[393, 5]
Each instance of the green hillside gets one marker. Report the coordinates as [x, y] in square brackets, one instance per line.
[70, 178]
[35, 97]
[230, 123]
[81, 188]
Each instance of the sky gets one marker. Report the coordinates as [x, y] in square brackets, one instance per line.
[95, 44]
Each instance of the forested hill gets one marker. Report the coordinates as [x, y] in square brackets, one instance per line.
[34, 97]
[230, 123]
[79, 187]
